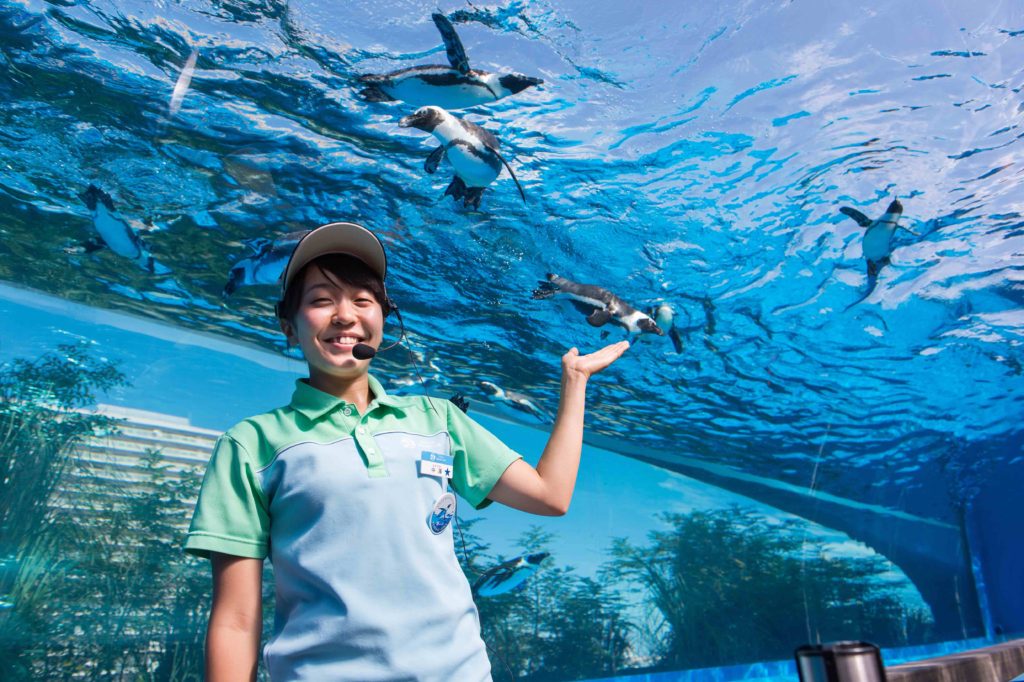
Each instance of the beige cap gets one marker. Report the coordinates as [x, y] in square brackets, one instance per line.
[348, 238]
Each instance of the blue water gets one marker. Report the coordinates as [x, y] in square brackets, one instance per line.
[682, 152]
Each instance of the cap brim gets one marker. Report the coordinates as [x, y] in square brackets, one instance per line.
[348, 238]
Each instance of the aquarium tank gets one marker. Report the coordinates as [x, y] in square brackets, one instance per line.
[814, 210]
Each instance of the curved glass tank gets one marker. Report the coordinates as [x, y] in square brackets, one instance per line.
[824, 444]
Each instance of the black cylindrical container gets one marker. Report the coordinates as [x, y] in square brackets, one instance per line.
[840, 662]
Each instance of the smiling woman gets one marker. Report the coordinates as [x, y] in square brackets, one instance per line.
[339, 304]
[346, 490]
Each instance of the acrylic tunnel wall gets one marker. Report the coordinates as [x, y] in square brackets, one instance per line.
[823, 442]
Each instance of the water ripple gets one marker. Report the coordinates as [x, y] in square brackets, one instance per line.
[694, 155]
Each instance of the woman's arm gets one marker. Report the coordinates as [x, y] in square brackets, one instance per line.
[236, 619]
[548, 489]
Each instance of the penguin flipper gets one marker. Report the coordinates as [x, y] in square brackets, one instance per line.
[452, 45]
[861, 219]
[599, 317]
[677, 341]
[510, 172]
[434, 160]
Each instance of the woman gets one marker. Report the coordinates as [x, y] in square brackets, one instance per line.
[346, 490]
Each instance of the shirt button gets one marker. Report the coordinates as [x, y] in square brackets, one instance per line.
[348, 411]
[362, 429]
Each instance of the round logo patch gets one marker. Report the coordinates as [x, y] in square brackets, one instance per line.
[442, 513]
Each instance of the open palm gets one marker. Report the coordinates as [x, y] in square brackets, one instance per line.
[584, 366]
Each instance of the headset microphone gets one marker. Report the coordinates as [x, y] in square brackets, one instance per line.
[362, 351]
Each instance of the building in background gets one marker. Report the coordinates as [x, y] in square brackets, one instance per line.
[119, 464]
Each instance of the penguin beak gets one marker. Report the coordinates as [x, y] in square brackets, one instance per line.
[407, 121]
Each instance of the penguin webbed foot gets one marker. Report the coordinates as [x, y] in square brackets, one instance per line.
[92, 245]
[456, 189]
[599, 318]
[473, 196]
[874, 267]
[460, 401]
[470, 196]
[544, 290]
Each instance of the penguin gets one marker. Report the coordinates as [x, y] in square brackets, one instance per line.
[115, 233]
[600, 305]
[515, 400]
[460, 401]
[455, 86]
[471, 150]
[265, 266]
[508, 575]
[664, 317]
[877, 242]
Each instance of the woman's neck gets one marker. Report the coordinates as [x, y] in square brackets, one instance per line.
[355, 390]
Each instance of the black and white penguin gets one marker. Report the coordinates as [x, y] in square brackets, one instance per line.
[269, 259]
[599, 305]
[877, 241]
[664, 316]
[508, 575]
[472, 151]
[455, 86]
[115, 233]
[515, 400]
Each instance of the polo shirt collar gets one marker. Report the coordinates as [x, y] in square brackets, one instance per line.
[314, 403]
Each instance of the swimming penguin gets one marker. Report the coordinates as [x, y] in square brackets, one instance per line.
[270, 256]
[877, 242]
[452, 87]
[664, 317]
[515, 400]
[508, 575]
[600, 305]
[471, 150]
[115, 233]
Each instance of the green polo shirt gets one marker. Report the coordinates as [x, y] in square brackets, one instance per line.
[337, 500]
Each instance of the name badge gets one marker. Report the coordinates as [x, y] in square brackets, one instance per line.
[436, 464]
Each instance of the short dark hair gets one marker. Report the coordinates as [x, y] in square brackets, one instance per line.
[337, 267]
